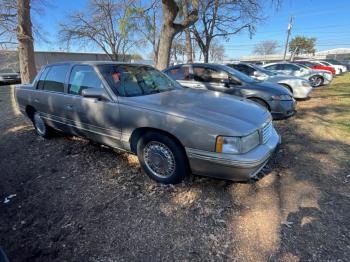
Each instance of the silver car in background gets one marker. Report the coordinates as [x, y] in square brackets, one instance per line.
[136, 108]
[298, 86]
[316, 77]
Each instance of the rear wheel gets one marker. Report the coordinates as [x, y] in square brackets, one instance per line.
[316, 81]
[40, 127]
[162, 158]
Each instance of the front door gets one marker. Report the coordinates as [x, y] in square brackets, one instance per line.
[214, 79]
[96, 119]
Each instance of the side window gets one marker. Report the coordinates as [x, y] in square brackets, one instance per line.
[246, 70]
[41, 80]
[179, 73]
[203, 74]
[290, 67]
[55, 78]
[272, 67]
[83, 77]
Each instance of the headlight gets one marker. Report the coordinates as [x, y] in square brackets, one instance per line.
[282, 97]
[305, 84]
[237, 145]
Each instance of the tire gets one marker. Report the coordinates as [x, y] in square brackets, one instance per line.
[316, 81]
[260, 102]
[40, 127]
[162, 158]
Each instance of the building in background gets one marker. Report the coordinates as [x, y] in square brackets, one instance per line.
[9, 59]
[340, 54]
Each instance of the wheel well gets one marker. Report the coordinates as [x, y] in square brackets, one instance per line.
[287, 86]
[139, 132]
[30, 112]
[259, 99]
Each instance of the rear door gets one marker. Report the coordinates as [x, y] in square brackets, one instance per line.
[49, 96]
[96, 119]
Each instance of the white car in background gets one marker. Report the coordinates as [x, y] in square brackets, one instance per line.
[316, 77]
[339, 69]
[298, 86]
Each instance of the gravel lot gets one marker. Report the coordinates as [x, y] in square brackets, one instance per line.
[79, 201]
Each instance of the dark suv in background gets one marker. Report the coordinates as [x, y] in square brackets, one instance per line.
[221, 78]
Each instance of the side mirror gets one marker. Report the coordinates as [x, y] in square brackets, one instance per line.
[226, 82]
[98, 93]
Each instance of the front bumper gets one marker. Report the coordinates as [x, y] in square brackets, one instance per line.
[282, 109]
[232, 167]
[302, 92]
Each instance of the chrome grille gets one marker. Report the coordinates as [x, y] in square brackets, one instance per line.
[266, 132]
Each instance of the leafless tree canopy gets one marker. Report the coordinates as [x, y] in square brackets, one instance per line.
[217, 52]
[149, 26]
[223, 18]
[106, 24]
[268, 47]
[8, 23]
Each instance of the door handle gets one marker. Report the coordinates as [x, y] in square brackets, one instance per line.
[68, 107]
[36, 100]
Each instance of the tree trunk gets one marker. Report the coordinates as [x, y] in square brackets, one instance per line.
[187, 34]
[166, 39]
[170, 29]
[25, 42]
[206, 55]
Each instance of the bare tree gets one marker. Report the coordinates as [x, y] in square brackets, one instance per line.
[8, 23]
[187, 33]
[150, 25]
[217, 52]
[268, 47]
[106, 24]
[178, 49]
[170, 28]
[224, 18]
[25, 42]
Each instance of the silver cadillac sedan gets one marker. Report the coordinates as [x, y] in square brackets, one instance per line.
[173, 130]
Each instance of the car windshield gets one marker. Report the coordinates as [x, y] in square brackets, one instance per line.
[136, 80]
[263, 70]
[239, 75]
[304, 66]
[7, 71]
[334, 62]
[306, 63]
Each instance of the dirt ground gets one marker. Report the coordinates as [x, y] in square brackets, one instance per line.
[78, 201]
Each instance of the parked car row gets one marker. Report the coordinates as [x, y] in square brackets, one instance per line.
[9, 76]
[208, 119]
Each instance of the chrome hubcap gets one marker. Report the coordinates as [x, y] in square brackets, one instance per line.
[39, 124]
[159, 159]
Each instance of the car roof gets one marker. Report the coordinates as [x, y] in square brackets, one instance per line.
[212, 65]
[94, 63]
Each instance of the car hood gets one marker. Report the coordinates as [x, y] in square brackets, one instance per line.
[237, 116]
[268, 87]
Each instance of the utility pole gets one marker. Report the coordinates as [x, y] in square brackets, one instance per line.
[290, 24]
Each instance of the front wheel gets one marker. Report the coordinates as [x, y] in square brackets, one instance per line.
[163, 159]
[316, 81]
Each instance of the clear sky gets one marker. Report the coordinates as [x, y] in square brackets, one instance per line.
[327, 20]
